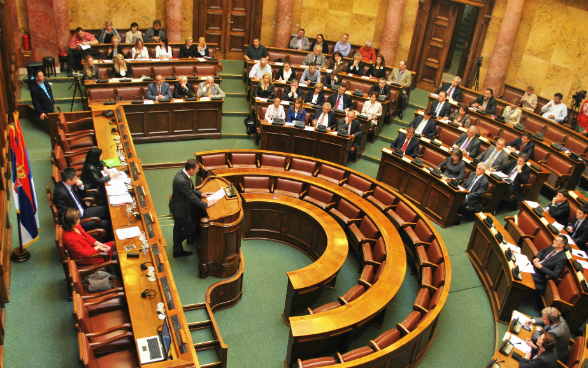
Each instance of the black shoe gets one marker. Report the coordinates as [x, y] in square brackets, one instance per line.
[183, 253]
[400, 115]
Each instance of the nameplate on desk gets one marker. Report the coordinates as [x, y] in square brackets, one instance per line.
[148, 102]
[177, 328]
[139, 191]
[155, 59]
[149, 226]
[204, 98]
[462, 129]
[444, 148]
[425, 140]
[544, 221]
[279, 64]
[484, 139]
[167, 293]
[467, 160]
[387, 150]
[303, 85]
[404, 158]
[107, 61]
[178, 100]
[134, 171]
[434, 95]
[571, 193]
[260, 99]
[402, 130]
[128, 147]
[365, 77]
[155, 250]
[123, 131]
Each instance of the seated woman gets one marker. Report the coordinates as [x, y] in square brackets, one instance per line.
[512, 113]
[378, 69]
[92, 175]
[140, 51]
[201, 50]
[336, 64]
[461, 117]
[542, 355]
[115, 49]
[296, 112]
[372, 108]
[320, 41]
[286, 73]
[90, 70]
[120, 69]
[188, 50]
[183, 89]
[107, 33]
[529, 99]
[134, 34]
[78, 242]
[317, 97]
[163, 51]
[265, 88]
[454, 165]
[275, 111]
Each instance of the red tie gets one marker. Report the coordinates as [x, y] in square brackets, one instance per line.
[337, 103]
[405, 145]
[522, 145]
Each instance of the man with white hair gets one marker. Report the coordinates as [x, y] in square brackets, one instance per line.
[209, 89]
[316, 57]
[183, 89]
[367, 52]
[453, 90]
[477, 185]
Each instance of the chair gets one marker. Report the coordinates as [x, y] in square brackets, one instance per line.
[68, 150]
[376, 255]
[75, 160]
[345, 213]
[428, 255]
[383, 199]
[385, 339]
[355, 354]
[129, 93]
[49, 66]
[420, 234]
[367, 277]
[243, 160]
[188, 71]
[256, 184]
[85, 122]
[213, 162]
[432, 157]
[575, 352]
[403, 216]
[273, 161]
[332, 174]
[409, 323]
[427, 300]
[555, 134]
[561, 172]
[317, 362]
[76, 274]
[358, 185]
[320, 197]
[165, 71]
[101, 94]
[73, 142]
[355, 292]
[366, 232]
[304, 167]
[433, 280]
[289, 188]
[562, 295]
[206, 70]
[524, 227]
[119, 359]
[530, 248]
[141, 71]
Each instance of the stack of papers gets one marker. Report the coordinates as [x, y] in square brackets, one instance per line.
[558, 226]
[532, 204]
[116, 200]
[217, 195]
[520, 344]
[127, 233]
[522, 318]
[578, 253]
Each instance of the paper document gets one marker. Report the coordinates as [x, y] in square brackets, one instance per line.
[532, 204]
[279, 64]
[523, 262]
[201, 59]
[204, 98]
[365, 77]
[116, 190]
[112, 162]
[513, 247]
[404, 158]
[120, 199]
[309, 128]
[579, 253]
[558, 226]
[127, 233]
[107, 61]
[84, 47]
[522, 318]
[583, 263]
[155, 59]
[520, 344]
[217, 195]
[501, 174]
[148, 102]
[334, 133]
[434, 95]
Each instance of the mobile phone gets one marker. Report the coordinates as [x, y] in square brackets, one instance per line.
[130, 247]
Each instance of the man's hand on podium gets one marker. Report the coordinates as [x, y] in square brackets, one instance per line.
[206, 194]
[211, 203]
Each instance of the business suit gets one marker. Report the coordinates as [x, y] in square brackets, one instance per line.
[444, 111]
[43, 104]
[351, 68]
[280, 74]
[561, 212]
[560, 331]
[546, 360]
[453, 170]
[63, 200]
[552, 267]
[305, 44]
[429, 130]
[355, 130]
[320, 99]
[152, 91]
[320, 60]
[490, 107]
[473, 145]
[347, 102]
[287, 90]
[186, 52]
[183, 200]
[331, 120]
[112, 73]
[499, 159]
[529, 148]
[405, 79]
[214, 90]
[455, 94]
[412, 148]
[179, 92]
[580, 235]
[520, 179]
[381, 91]
[474, 198]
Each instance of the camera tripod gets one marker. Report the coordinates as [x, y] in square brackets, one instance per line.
[78, 86]
[476, 76]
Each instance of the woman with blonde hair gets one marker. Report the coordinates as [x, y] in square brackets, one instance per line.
[90, 70]
[265, 88]
[120, 69]
[140, 51]
[202, 50]
[512, 113]
[188, 50]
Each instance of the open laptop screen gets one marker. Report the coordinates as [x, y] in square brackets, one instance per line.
[166, 338]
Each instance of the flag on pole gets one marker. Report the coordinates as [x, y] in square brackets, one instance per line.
[23, 187]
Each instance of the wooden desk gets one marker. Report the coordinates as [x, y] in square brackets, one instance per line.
[104, 67]
[432, 195]
[307, 228]
[139, 82]
[142, 311]
[494, 270]
[171, 121]
[507, 361]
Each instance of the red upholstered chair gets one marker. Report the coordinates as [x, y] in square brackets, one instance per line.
[332, 174]
[541, 154]
[374, 255]
[76, 275]
[386, 339]
[73, 156]
[576, 144]
[492, 131]
[530, 248]
[61, 161]
[562, 295]
[243, 160]
[447, 136]
[256, 184]
[317, 362]
[304, 167]
[175, 52]
[383, 199]
[432, 157]
[427, 300]
[358, 185]
[420, 234]
[119, 359]
[213, 162]
[575, 352]
[359, 105]
[100, 94]
[86, 124]
[355, 354]
[524, 227]
[273, 161]
[187, 71]
[428, 255]
[165, 71]
[508, 136]
[379, 272]
[78, 141]
[409, 323]
[129, 93]
[367, 276]
[142, 71]
[366, 232]
[206, 70]
[320, 197]
[345, 213]
[561, 172]
[433, 279]
[289, 188]
[352, 294]
[555, 134]
[403, 216]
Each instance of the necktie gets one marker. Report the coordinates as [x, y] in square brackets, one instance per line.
[349, 128]
[321, 120]
[491, 159]
[438, 108]
[473, 182]
[405, 145]
[75, 197]
[450, 91]
[315, 58]
[337, 103]
[548, 256]
[381, 91]
[465, 144]
[208, 93]
[421, 126]
[576, 228]
[522, 146]
[399, 76]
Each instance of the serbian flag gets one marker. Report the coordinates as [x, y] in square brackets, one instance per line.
[23, 187]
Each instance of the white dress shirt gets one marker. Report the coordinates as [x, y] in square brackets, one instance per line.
[560, 111]
[271, 112]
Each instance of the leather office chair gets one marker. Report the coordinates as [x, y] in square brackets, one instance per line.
[345, 212]
[524, 228]
[366, 232]
[187, 71]
[383, 199]
[317, 362]
[61, 160]
[358, 185]
[355, 354]
[541, 154]
[304, 167]
[76, 276]
[574, 353]
[531, 248]
[289, 188]
[379, 271]
[376, 255]
[141, 71]
[119, 359]
[432, 157]
[213, 162]
[100, 94]
[206, 70]
[355, 292]
[433, 279]
[243, 160]
[165, 71]
[75, 142]
[403, 216]
[427, 300]
[332, 174]
[428, 255]
[561, 172]
[256, 184]
[85, 122]
[385, 339]
[555, 134]
[409, 323]
[129, 93]
[73, 157]
[367, 277]
[420, 234]
[562, 295]
[320, 197]
[274, 161]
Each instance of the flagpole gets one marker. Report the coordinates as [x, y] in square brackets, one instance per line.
[20, 254]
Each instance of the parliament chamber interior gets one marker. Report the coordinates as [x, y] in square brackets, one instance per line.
[280, 183]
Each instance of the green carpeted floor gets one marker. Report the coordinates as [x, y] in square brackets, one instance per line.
[254, 330]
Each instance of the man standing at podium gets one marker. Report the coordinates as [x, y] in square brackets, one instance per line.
[185, 198]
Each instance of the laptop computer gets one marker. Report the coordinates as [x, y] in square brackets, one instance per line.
[155, 348]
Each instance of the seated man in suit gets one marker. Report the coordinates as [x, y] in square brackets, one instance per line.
[292, 92]
[382, 88]
[316, 57]
[356, 66]
[299, 42]
[549, 262]
[351, 124]
[523, 144]
[441, 108]
[494, 156]
[209, 89]
[477, 185]
[341, 101]
[401, 75]
[183, 89]
[468, 143]
[311, 74]
[518, 174]
[408, 143]
[485, 102]
[425, 125]
[159, 90]
[42, 96]
[325, 116]
[551, 321]
[559, 208]
[452, 89]
[69, 193]
[544, 356]
[578, 228]
[316, 97]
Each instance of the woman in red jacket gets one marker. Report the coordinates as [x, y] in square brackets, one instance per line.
[78, 242]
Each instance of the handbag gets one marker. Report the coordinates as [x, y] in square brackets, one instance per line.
[99, 281]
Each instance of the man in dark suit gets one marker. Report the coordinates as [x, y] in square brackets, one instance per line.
[559, 208]
[382, 88]
[485, 102]
[184, 202]
[341, 101]
[494, 156]
[69, 193]
[356, 66]
[578, 228]
[351, 124]
[318, 92]
[518, 174]
[441, 107]
[158, 90]
[523, 144]
[549, 262]
[424, 125]
[477, 185]
[290, 93]
[468, 143]
[408, 143]
[42, 96]
[325, 116]
[551, 321]
[453, 90]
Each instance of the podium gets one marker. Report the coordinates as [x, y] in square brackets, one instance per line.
[221, 232]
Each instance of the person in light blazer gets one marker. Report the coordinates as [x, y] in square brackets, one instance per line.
[494, 156]
[299, 42]
[316, 57]
[468, 143]
[158, 90]
[134, 34]
[209, 89]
